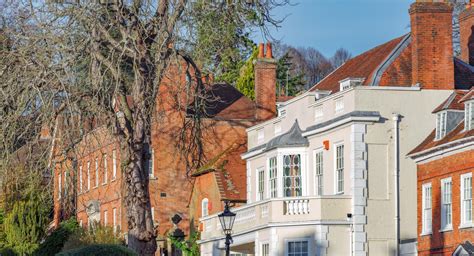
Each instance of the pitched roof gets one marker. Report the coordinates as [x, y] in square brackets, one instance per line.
[292, 138]
[468, 96]
[453, 102]
[363, 65]
[225, 102]
[458, 134]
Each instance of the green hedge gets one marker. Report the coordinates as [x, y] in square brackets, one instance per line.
[100, 250]
[55, 241]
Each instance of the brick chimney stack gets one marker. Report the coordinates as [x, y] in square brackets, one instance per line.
[466, 29]
[432, 44]
[265, 83]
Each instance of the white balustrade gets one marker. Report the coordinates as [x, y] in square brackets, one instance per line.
[296, 207]
[245, 215]
[264, 210]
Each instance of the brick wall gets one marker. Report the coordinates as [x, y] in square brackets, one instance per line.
[466, 26]
[432, 51]
[443, 243]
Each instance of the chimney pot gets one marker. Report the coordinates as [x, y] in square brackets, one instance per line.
[261, 50]
[269, 53]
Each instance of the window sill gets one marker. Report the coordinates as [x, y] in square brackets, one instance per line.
[113, 179]
[339, 193]
[466, 225]
[105, 183]
[426, 234]
[152, 178]
[447, 229]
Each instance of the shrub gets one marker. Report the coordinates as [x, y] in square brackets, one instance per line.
[97, 235]
[55, 241]
[99, 250]
[25, 224]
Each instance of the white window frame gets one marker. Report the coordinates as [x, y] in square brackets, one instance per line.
[277, 128]
[337, 189]
[427, 210]
[318, 172]
[151, 164]
[339, 105]
[273, 180]
[81, 185]
[466, 202]
[260, 184]
[265, 248]
[469, 115]
[204, 207]
[104, 159]
[114, 219]
[153, 215]
[446, 206]
[260, 135]
[441, 119]
[288, 241]
[114, 164]
[293, 186]
[96, 172]
[88, 175]
[318, 113]
[105, 218]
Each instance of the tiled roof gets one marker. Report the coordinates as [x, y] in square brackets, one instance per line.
[225, 102]
[363, 65]
[453, 102]
[463, 75]
[229, 173]
[468, 96]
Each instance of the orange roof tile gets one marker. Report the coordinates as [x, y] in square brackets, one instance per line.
[363, 65]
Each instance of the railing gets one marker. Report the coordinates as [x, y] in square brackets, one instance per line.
[296, 207]
[281, 210]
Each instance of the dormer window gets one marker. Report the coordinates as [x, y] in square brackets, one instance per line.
[350, 82]
[441, 125]
[469, 115]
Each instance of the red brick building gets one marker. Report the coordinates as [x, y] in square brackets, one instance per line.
[92, 181]
[445, 162]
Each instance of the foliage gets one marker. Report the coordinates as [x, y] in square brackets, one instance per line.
[97, 235]
[25, 224]
[56, 240]
[246, 81]
[99, 250]
[288, 82]
[188, 247]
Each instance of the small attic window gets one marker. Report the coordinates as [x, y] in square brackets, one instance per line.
[350, 82]
[469, 115]
[441, 125]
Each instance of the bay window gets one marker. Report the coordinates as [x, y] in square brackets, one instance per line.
[446, 204]
[466, 199]
[292, 175]
[273, 177]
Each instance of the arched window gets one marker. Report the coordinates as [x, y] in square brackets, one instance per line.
[470, 47]
[205, 207]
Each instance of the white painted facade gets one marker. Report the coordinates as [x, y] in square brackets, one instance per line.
[367, 120]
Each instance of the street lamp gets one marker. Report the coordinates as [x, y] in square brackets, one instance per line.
[227, 221]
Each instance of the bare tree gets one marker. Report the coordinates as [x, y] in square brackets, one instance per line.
[341, 56]
[101, 62]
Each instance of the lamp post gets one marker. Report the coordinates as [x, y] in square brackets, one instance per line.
[227, 221]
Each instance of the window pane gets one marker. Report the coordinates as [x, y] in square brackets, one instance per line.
[292, 175]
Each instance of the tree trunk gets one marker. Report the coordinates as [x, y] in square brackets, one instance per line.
[141, 234]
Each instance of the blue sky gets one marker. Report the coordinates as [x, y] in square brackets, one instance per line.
[356, 25]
